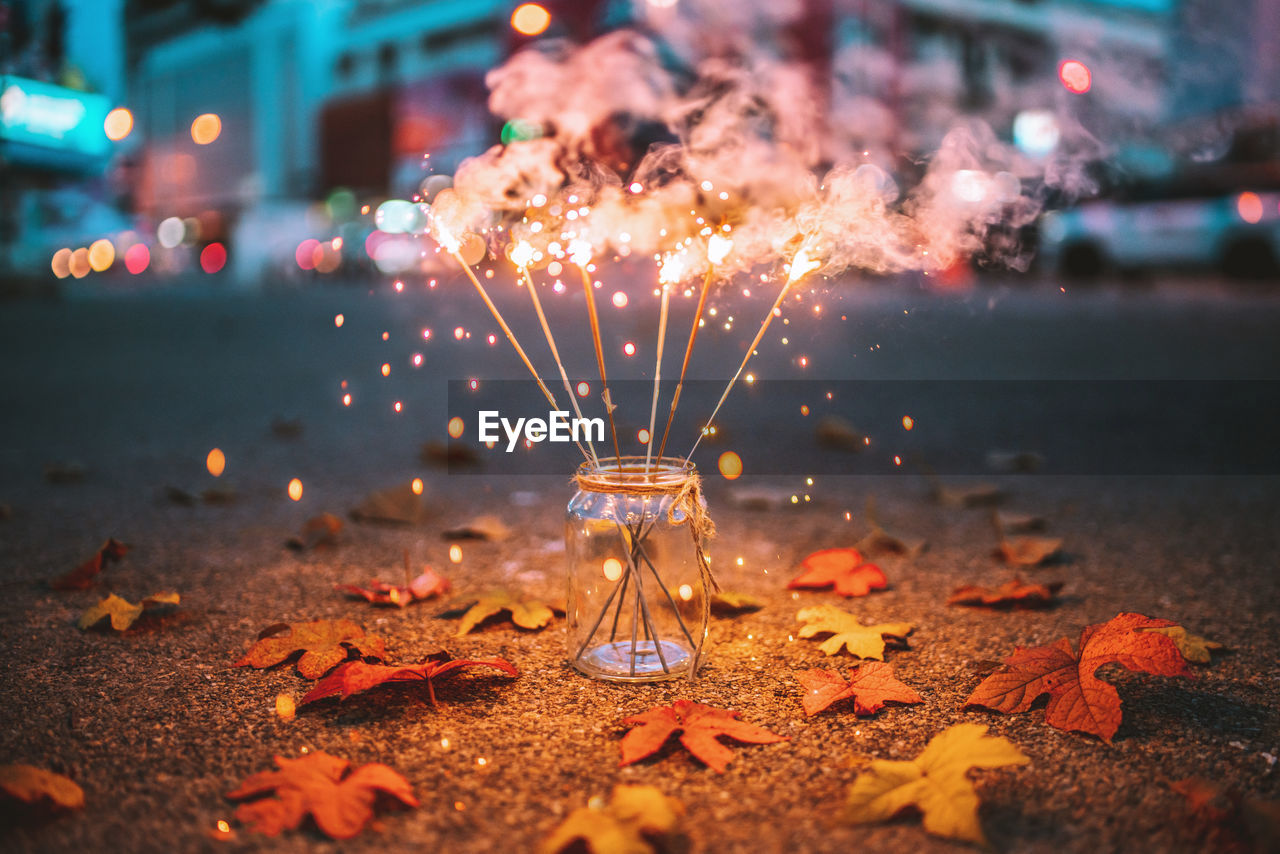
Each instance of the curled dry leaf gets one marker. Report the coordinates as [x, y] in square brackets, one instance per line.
[1014, 593]
[1193, 647]
[318, 784]
[319, 532]
[33, 786]
[355, 677]
[1235, 821]
[122, 612]
[729, 604]
[936, 782]
[1079, 700]
[425, 586]
[324, 645]
[84, 575]
[527, 613]
[480, 528]
[846, 631]
[880, 542]
[636, 820]
[700, 728]
[870, 685]
[1028, 550]
[842, 568]
[398, 505]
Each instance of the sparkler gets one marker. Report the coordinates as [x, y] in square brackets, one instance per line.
[580, 254]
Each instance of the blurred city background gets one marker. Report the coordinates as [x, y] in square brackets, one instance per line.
[253, 141]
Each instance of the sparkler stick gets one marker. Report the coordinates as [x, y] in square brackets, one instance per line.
[555, 353]
[595, 337]
[657, 374]
[688, 351]
[801, 264]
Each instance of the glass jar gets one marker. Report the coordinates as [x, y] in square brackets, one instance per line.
[638, 603]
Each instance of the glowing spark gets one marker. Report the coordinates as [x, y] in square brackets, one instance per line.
[455, 553]
[295, 489]
[286, 709]
[612, 568]
[346, 400]
[523, 254]
[338, 320]
[908, 422]
[583, 389]
[215, 462]
[417, 360]
[386, 369]
[686, 592]
[580, 252]
[730, 465]
[718, 248]
[398, 406]
[458, 332]
[456, 426]
[802, 265]
[629, 349]
[619, 299]
[530, 19]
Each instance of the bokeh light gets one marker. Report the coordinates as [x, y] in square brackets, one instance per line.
[79, 265]
[61, 263]
[295, 489]
[206, 128]
[530, 19]
[305, 254]
[213, 257]
[170, 232]
[1075, 76]
[612, 568]
[118, 124]
[730, 465]
[216, 462]
[1249, 206]
[137, 258]
[456, 427]
[101, 255]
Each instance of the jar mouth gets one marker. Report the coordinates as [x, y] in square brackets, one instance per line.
[633, 470]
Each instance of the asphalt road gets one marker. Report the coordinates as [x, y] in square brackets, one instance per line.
[155, 724]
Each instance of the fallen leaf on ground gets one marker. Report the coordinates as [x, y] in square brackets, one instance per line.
[1014, 593]
[83, 576]
[527, 613]
[1078, 700]
[1237, 822]
[64, 473]
[936, 782]
[636, 820]
[870, 684]
[319, 532]
[425, 586]
[700, 728]
[839, 434]
[729, 604]
[398, 505]
[355, 677]
[38, 787]
[1193, 647]
[843, 568]
[880, 542]
[1028, 550]
[480, 528]
[122, 612]
[969, 495]
[1015, 523]
[341, 803]
[846, 631]
[324, 645]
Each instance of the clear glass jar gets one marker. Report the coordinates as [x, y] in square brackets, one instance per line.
[637, 604]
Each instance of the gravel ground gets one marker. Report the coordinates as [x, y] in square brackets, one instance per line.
[156, 724]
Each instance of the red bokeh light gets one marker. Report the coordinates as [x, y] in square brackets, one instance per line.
[1076, 76]
[213, 257]
[137, 258]
[306, 253]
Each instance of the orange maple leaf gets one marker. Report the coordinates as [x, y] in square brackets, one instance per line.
[324, 645]
[843, 568]
[1014, 593]
[319, 784]
[870, 684]
[355, 677]
[425, 586]
[82, 577]
[700, 728]
[1079, 700]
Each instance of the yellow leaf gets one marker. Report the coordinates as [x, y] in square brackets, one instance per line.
[638, 820]
[525, 613]
[122, 612]
[30, 784]
[846, 631]
[1193, 647]
[936, 782]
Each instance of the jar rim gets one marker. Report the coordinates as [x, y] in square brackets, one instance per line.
[633, 470]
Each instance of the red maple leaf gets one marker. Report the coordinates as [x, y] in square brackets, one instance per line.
[844, 568]
[700, 728]
[318, 783]
[425, 586]
[357, 676]
[82, 577]
[870, 684]
[1078, 699]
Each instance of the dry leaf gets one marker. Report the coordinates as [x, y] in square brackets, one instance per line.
[1238, 823]
[1019, 523]
[846, 631]
[1027, 550]
[341, 803]
[324, 645]
[37, 787]
[936, 782]
[1014, 593]
[637, 820]
[1078, 700]
[843, 568]
[122, 612]
[1193, 647]
[425, 586]
[355, 677]
[319, 532]
[399, 505]
[881, 542]
[870, 684]
[700, 728]
[480, 528]
[970, 495]
[84, 575]
[526, 613]
[729, 604]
